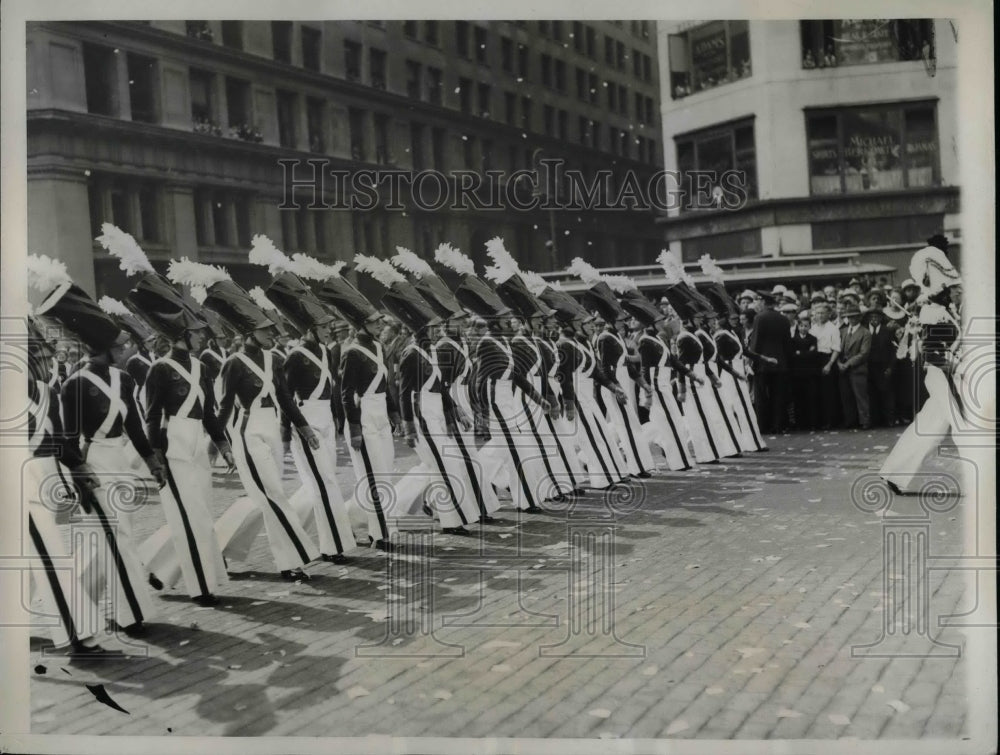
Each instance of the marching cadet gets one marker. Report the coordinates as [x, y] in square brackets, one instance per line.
[308, 372]
[183, 426]
[254, 386]
[946, 375]
[143, 337]
[427, 410]
[98, 403]
[54, 456]
[454, 365]
[613, 354]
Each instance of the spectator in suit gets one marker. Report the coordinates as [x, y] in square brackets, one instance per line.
[856, 342]
[770, 347]
[804, 373]
[881, 366]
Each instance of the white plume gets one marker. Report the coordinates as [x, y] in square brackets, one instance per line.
[406, 260]
[450, 257]
[264, 252]
[305, 266]
[671, 267]
[504, 265]
[45, 273]
[585, 271]
[260, 298]
[113, 306]
[131, 259]
[536, 284]
[196, 275]
[620, 283]
[711, 270]
[378, 269]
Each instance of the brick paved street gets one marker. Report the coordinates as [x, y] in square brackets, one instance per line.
[737, 593]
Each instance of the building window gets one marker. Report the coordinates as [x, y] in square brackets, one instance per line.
[281, 40]
[417, 145]
[484, 100]
[462, 38]
[352, 60]
[382, 139]
[437, 148]
[479, 35]
[581, 127]
[319, 233]
[563, 125]
[199, 30]
[435, 87]
[465, 95]
[707, 56]
[609, 50]
[557, 31]
[650, 112]
[316, 123]
[547, 70]
[377, 60]
[100, 74]
[223, 219]
[543, 28]
[232, 34]
[413, 74]
[875, 148]
[203, 118]
[647, 67]
[312, 46]
[356, 122]
[510, 108]
[431, 33]
[860, 41]
[410, 29]
[636, 63]
[591, 42]
[560, 79]
[142, 87]
[578, 36]
[723, 245]
[714, 153]
[487, 154]
[469, 152]
[526, 113]
[134, 206]
[612, 90]
[581, 85]
[507, 54]
[620, 55]
[644, 25]
[238, 112]
[548, 120]
[287, 111]
[522, 62]
[623, 100]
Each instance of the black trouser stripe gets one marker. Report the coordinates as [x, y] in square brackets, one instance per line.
[324, 496]
[746, 413]
[282, 519]
[53, 580]
[538, 440]
[513, 453]
[725, 417]
[471, 469]
[562, 451]
[611, 454]
[109, 534]
[593, 442]
[631, 437]
[954, 393]
[704, 422]
[188, 532]
[373, 490]
[440, 463]
[673, 427]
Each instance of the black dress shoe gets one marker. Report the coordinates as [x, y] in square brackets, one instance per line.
[294, 575]
[336, 558]
[138, 629]
[489, 520]
[427, 510]
[644, 475]
[155, 582]
[896, 490]
[384, 545]
[558, 498]
[454, 531]
[534, 510]
[580, 491]
[206, 599]
[77, 648]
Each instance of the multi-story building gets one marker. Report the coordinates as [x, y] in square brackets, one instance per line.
[173, 130]
[845, 132]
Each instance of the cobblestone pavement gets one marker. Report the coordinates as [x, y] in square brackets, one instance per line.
[718, 603]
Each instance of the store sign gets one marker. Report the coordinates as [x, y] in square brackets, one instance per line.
[862, 145]
[708, 52]
[864, 40]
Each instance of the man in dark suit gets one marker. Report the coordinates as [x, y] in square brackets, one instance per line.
[881, 365]
[771, 347]
[856, 344]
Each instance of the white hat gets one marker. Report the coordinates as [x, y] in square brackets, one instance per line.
[931, 268]
[907, 283]
[778, 289]
[747, 294]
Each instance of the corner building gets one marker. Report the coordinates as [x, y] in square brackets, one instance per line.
[845, 131]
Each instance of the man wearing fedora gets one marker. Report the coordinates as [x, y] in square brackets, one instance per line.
[856, 343]
[881, 365]
[771, 346]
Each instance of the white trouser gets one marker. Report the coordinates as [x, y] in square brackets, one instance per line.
[69, 612]
[667, 426]
[117, 563]
[729, 392]
[257, 448]
[554, 476]
[374, 489]
[708, 427]
[319, 497]
[519, 450]
[604, 462]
